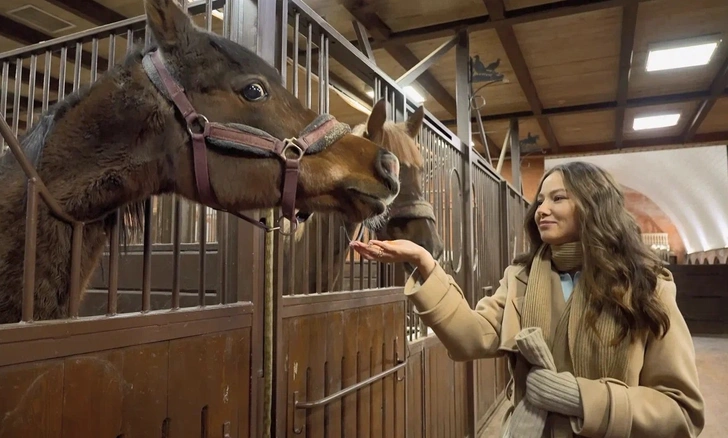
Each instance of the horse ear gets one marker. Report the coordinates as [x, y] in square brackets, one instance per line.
[168, 22]
[414, 122]
[376, 120]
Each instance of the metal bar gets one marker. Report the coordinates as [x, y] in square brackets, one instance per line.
[114, 265]
[346, 391]
[31, 91]
[4, 101]
[462, 95]
[515, 155]
[176, 233]
[202, 240]
[31, 230]
[46, 81]
[62, 74]
[147, 257]
[75, 283]
[428, 61]
[363, 39]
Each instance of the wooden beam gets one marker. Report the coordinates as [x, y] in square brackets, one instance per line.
[380, 31]
[513, 17]
[717, 89]
[599, 106]
[629, 24]
[507, 36]
[89, 10]
[674, 142]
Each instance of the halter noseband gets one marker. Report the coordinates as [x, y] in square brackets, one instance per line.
[326, 133]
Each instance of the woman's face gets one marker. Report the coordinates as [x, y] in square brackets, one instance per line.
[556, 214]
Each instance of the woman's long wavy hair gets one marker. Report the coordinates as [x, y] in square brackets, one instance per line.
[619, 272]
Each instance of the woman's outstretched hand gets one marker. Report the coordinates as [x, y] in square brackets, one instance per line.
[396, 251]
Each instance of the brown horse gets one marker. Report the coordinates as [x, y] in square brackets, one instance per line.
[129, 136]
[410, 216]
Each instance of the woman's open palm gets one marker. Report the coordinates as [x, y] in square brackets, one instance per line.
[390, 251]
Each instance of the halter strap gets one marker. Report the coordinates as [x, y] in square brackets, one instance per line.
[290, 150]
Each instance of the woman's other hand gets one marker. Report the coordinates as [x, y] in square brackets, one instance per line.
[397, 251]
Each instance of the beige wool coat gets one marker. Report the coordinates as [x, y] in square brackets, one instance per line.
[660, 398]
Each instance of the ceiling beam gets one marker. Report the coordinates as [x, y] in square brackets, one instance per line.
[507, 36]
[639, 102]
[674, 142]
[23, 34]
[89, 10]
[406, 58]
[717, 89]
[511, 18]
[629, 25]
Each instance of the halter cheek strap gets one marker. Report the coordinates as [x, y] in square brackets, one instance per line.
[318, 135]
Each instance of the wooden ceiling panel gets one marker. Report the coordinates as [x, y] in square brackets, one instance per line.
[518, 4]
[497, 131]
[127, 8]
[666, 20]
[584, 128]
[401, 15]
[8, 44]
[501, 97]
[78, 23]
[685, 109]
[574, 59]
[717, 119]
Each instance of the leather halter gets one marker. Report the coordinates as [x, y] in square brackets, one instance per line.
[289, 150]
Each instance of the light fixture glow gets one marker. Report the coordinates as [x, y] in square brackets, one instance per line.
[413, 94]
[656, 121]
[410, 91]
[680, 54]
[218, 14]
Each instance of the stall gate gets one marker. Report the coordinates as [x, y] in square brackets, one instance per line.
[194, 326]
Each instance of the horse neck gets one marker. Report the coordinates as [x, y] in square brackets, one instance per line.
[97, 157]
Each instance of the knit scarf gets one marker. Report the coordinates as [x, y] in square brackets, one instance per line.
[590, 351]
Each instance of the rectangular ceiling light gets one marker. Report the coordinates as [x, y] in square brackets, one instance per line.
[656, 121]
[683, 53]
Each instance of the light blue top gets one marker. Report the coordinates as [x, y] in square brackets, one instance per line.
[567, 283]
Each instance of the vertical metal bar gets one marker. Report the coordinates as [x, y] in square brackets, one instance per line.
[62, 74]
[309, 42]
[283, 59]
[111, 307]
[4, 100]
[202, 238]
[296, 36]
[75, 284]
[77, 67]
[31, 231]
[222, 256]
[112, 51]
[147, 257]
[31, 91]
[46, 80]
[16, 100]
[208, 15]
[176, 251]
[94, 59]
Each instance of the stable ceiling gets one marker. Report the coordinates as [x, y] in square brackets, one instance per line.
[574, 71]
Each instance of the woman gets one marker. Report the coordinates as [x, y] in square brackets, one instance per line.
[623, 356]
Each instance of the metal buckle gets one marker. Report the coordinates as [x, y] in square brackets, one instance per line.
[202, 120]
[290, 143]
[294, 226]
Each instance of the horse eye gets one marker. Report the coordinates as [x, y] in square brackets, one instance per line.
[254, 92]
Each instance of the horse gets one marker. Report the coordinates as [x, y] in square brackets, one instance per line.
[410, 217]
[193, 114]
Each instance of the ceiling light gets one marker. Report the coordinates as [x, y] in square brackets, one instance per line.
[218, 14]
[656, 121]
[413, 94]
[679, 54]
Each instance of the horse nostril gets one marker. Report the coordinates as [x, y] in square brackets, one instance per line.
[390, 164]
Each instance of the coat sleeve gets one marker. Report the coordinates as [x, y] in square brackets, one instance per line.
[466, 333]
[667, 402]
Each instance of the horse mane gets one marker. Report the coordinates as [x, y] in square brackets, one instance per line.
[33, 143]
[398, 141]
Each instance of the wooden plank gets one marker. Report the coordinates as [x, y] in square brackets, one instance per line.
[32, 400]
